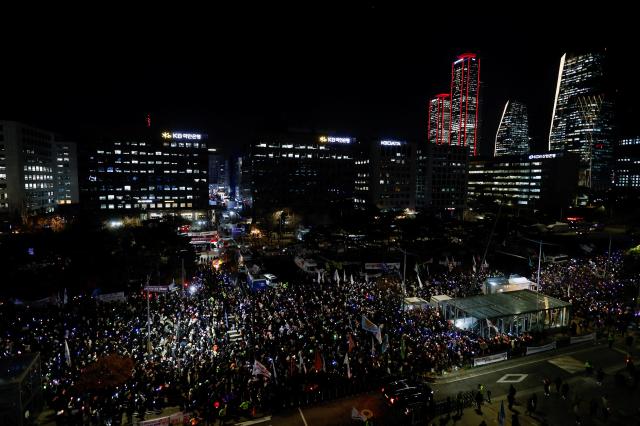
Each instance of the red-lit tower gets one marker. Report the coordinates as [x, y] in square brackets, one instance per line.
[439, 119]
[465, 90]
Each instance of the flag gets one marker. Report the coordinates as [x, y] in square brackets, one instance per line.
[351, 279]
[385, 343]
[491, 325]
[258, 368]
[318, 362]
[501, 414]
[324, 364]
[275, 375]
[318, 279]
[357, 415]
[344, 276]
[65, 299]
[346, 362]
[420, 281]
[368, 325]
[301, 366]
[67, 353]
[373, 348]
[378, 335]
[336, 277]
[403, 348]
[352, 344]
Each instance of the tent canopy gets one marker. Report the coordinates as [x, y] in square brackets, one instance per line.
[506, 304]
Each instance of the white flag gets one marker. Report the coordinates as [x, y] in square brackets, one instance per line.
[419, 282]
[351, 279]
[416, 269]
[344, 275]
[301, 366]
[358, 415]
[67, 353]
[258, 368]
[275, 375]
[318, 277]
[336, 277]
[346, 362]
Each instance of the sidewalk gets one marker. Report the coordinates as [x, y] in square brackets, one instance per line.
[464, 373]
[555, 410]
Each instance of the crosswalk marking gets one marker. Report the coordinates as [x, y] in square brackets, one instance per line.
[568, 363]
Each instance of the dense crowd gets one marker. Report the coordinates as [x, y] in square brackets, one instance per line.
[597, 287]
[204, 344]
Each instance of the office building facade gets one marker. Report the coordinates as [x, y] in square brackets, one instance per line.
[393, 174]
[512, 137]
[151, 174]
[627, 167]
[465, 93]
[37, 171]
[546, 180]
[582, 119]
[446, 182]
[301, 170]
[439, 119]
[218, 173]
[66, 172]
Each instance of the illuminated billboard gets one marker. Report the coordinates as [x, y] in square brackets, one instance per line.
[390, 143]
[334, 139]
[542, 156]
[180, 135]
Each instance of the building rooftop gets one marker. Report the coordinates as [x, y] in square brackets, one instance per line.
[505, 304]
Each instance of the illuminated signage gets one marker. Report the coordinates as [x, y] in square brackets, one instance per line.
[390, 143]
[334, 139]
[178, 135]
[541, 156]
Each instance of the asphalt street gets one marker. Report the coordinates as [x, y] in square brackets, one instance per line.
[526, 374]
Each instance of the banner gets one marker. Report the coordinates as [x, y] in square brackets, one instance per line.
[156, 288]
[179, 418]
[536, 349]
[383, 266]
[112, 297]
[585, 338]
[489, 359]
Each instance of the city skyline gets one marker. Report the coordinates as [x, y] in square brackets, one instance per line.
[235, 109]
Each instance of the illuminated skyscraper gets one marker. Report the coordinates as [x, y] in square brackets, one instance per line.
[512, 137]
[582, 119]
[465, 90]
[439, 119]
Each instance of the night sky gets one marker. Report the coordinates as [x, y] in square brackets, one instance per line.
[367, 71]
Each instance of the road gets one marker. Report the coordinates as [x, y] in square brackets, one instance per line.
[526, 374]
